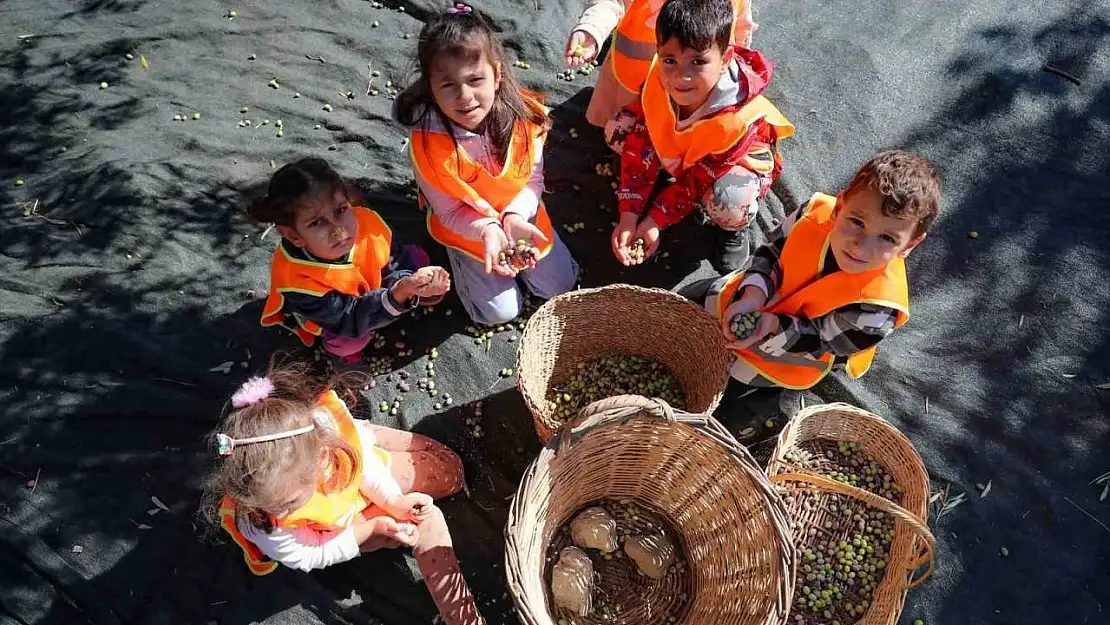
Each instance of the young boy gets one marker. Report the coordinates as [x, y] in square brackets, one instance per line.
[626, 66]
[701, 120]
[834, 284]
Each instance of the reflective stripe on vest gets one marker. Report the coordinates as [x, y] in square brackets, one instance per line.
[804, 292]
[634, 41]
[361, 274]
[447, 167]
[678, 150]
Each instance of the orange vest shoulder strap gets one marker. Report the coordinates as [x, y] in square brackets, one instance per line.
[340, 416]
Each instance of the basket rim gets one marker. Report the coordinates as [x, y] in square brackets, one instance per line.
[788, 432]
[543, 420]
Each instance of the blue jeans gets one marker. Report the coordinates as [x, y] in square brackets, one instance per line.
[492, 299]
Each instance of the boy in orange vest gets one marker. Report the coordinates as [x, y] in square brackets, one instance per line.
[702, 123]
[632, 23]
[834, 283]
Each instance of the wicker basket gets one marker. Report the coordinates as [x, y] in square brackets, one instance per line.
[913, 543]
[732, 527]
[588, 324]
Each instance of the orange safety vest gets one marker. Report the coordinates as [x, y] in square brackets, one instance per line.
[327, 509]
[804, 291]
[452, 171]
[634, 41]
[678, 150]
[361, 274]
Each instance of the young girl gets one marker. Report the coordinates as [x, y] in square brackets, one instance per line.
[303, 483]
[626, 67]
[477, 151]
[337, 272]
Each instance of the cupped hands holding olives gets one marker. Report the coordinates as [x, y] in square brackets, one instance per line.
[510, 247]
[744, 324]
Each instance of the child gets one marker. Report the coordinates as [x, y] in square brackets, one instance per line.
[626, 67]
[834, 284]
[304, 484]
[477, 152]
[702, 120]
[337, 271]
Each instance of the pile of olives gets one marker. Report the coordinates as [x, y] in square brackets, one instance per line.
[846, 544]
[610, 376]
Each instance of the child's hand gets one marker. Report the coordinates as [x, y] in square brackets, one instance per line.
[413, 507]
[767, 325]
[435, 281]
[581, 48]
[495, 241]
[622, 237]
[649, 232]
[383, 529]
[752, 299]
[517, 228]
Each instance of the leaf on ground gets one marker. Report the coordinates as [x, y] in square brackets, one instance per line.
[143, 526]
[1068, 376]
[152, 511]
[1105, 386]
[986, 489]
[224, 368]
[158, 502]
[143, 63]
[1105, 492]
[937, 495]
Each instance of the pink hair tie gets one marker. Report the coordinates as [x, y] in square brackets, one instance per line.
[458, 8]
[252, 391]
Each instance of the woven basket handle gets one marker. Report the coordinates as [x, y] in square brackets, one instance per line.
[925, 547]
[621, 408]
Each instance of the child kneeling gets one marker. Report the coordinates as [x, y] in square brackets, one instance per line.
[833, 285]
[701, 120]
[304, 484]
[476, 141]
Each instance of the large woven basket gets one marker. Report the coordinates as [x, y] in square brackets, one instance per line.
[913, 543]
[731, 524]
[588, 324]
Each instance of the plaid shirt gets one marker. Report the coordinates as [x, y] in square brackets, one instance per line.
[842, 332]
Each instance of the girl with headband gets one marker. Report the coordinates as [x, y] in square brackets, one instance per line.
[303, 483]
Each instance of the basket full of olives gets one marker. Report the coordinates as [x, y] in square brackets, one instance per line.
[857, 493]
[590, 344]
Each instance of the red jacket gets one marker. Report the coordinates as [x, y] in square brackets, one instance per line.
[640, 165]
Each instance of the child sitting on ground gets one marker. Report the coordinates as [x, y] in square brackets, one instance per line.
[702, 120]
[337, 272]
[623, 73]
[834, 283]
[304, 484]
[477, 155]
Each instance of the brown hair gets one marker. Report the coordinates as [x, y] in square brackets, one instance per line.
[291, 186]
[468, 36]
[270, 477]
[908, 184]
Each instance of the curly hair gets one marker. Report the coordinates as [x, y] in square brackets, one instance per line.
[908, 184]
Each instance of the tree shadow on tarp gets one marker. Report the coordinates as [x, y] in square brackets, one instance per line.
[994, 378]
